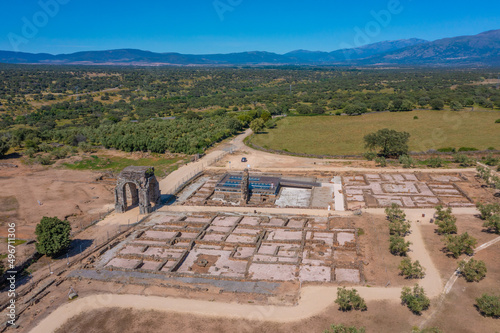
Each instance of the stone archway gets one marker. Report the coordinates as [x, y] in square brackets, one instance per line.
[143, 187]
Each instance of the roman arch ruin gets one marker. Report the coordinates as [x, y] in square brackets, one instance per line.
[139, 184]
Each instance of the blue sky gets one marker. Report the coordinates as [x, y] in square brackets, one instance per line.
[223, 26]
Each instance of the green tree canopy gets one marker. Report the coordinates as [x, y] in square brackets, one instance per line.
[53, 236]
[390, 142]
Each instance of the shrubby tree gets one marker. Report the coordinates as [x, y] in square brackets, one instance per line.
[415, 299]
[390, 142]
[257, 125]
[459, 244]
[489, 305]
[493, 223]
[411, 270]
[53, 236]
[445, 221]
[456, 106]
[355, 109]
[437, 104]
[348, 299]
[488, 210]
[398, 246]
[472, 270]
[4, 146]
[395, 212]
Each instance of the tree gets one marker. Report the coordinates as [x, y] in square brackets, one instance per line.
[53, 236]
[398, 246]
[399, 227]
[437, 104]
[349, 299]
[456, 106]
[472, 270]
[390, 142]
[415, 299]
[488, 210]
[355, 109]
[394, 212]
[266, 115]
[344, 329]
[411, 270]
[303, 109]
[463, 243]
[447, 225]
[4, 146]
[257, 125]
[489, 305]
[493, 223]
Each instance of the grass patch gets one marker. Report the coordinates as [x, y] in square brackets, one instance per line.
[8, 204]
[162, 165]
[16, 241]
[344, 135]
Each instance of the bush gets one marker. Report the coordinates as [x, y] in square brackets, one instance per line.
[463, 243]
[447, 150]
[43, 160]
[467, 149]
[497, 121]
[472, 270]
[398, 246]
[370, 156]
[344, 329]
[406, 161]
[464, 160]
[491, 160]
[86, 147]
[415, 299]
[349, 299]
[435, 162]
[53, 236]
[411, 270]
[489, 305]
[381, 161]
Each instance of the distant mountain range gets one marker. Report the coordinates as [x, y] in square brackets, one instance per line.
[479, 50]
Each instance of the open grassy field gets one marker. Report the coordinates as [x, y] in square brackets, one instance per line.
[342, 135]
[162, 165]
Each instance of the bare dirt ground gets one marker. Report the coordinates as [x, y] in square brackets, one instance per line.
[128, 321]
[37, 191]
[457, 313]
[435, 243]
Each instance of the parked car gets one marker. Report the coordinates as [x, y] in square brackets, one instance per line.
[244, 159]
